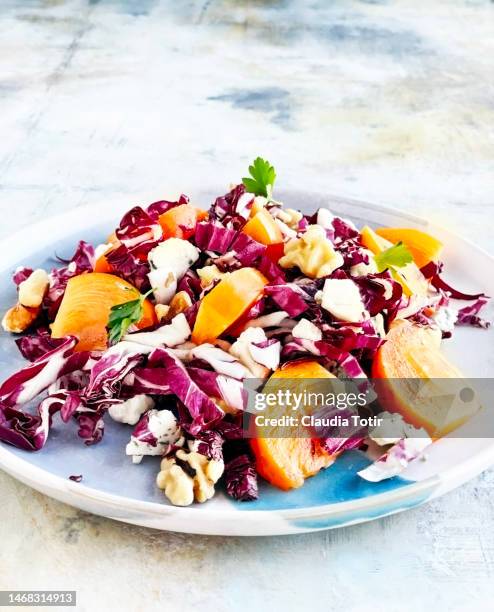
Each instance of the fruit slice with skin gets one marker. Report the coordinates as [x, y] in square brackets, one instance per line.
[180, 221]
[226, 303]
[413, 352]
[86, 306]
[423, 247]
[287, 462]
[410, 277]
[262, 227]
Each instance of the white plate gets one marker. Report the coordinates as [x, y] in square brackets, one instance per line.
[115, 488]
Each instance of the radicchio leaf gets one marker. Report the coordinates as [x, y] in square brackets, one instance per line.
[213, 236]
[271, 270]
[129, 267]
[289, 297]
[156, 209]
[469, 315]
[82, 261]
[380, 292]
[232, 209]
[241, 478]
[210, 444]
[35, 346]
[23, 430]
[21, 274]
[26, 384]
[396, 459]
[139, 232]
[166, 375]
[432, 271]
[228, 389]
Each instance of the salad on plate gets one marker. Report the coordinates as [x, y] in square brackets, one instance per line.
[160, 327]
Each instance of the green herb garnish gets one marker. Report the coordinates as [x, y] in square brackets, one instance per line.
[397, 256]
[122, 316]
[262, 177]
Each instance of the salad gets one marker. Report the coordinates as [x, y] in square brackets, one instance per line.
[159, 328]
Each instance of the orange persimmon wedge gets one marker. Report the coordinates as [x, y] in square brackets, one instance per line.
[287, 462]
[181, 221]
[262, 227]
[423, 247]
[226, 303]
[413, 352]
[86, 306]
[410, 277]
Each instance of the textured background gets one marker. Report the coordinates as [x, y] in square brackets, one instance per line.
[390, 102]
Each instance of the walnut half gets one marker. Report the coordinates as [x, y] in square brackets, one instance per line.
[33, 289]
[189, 476]
[313, 253]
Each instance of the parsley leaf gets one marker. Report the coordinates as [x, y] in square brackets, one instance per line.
[122, 316]
[396, 256]
[263, 177]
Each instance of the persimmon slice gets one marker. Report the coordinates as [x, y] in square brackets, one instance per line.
[226, 303]
[419, 381]
[410, 277]
[86, 306]
[262, 227]
[423, 247]
[287, 462]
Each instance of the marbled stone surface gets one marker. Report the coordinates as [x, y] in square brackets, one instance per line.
[135, 99]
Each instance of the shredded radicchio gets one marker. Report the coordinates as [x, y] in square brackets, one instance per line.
[35, 346]
[233, 209]
[241, 478]
[432, 271]
[469, 315]
[129, 267]
[21, 274]
[82, 261]
[156, 209]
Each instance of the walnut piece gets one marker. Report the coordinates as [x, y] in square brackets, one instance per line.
[179, 303]
[177, 485]
[189, 476]
[33, 289]
[290, 217]
[313, 253]
[18, 318]
[161, 311]
[208, 274]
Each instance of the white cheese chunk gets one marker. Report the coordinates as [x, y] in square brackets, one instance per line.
[445, 318]
[174, 254]
[393, 428]
[169, 261]
[164, 284]
[341, 297]
[306, 330]
[162, 425]
[325, 218]
[131, 410]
